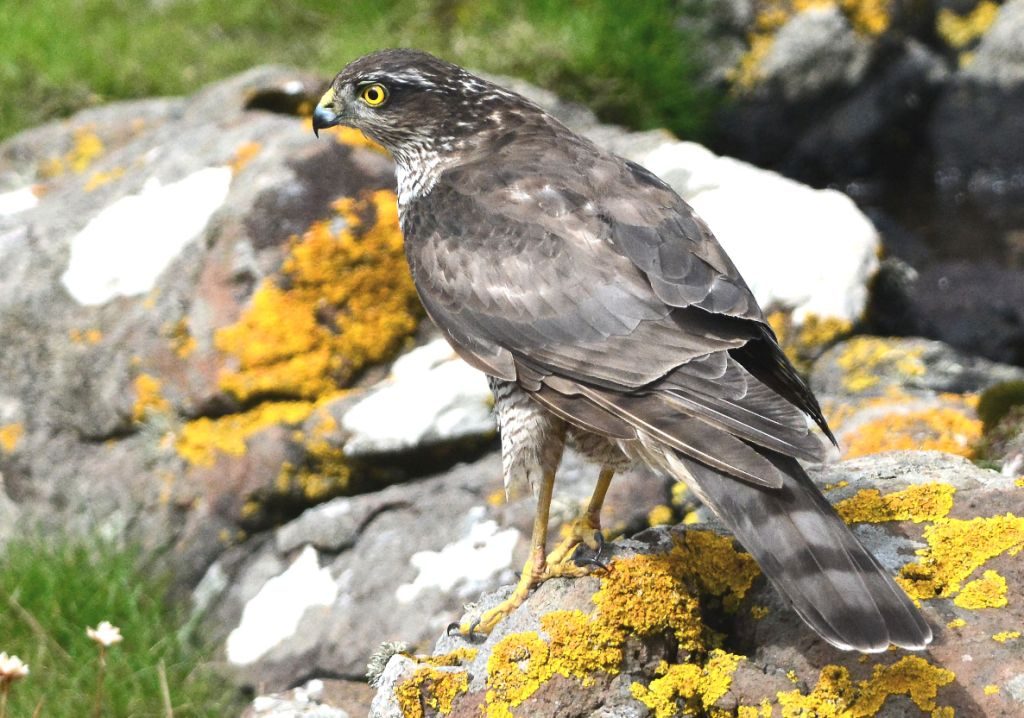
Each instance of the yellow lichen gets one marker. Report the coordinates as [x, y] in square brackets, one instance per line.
[959, 31]
[86, 146]
[956, 623]
[991, 689]
[200, 440]
[1004, 636]
[10, 437]
[326, 472]
[639, 596]
[182, 340]
[660, 515]
[458, 657]
[98, 179]
[148, 399]
[85, 336]
[836, 695]
[989, 591]
[944, 428]
[864, 358]
[347, 301]
[718, 567]
[695, 686]
[921, 502]
[956, 548]
[434, 688]
[804, 343]
[244, 154]
[758, 612]
[870, 17]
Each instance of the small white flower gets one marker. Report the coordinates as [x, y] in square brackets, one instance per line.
[105, 634]
[12, 668]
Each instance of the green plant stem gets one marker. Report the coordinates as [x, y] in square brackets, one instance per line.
[97, 706]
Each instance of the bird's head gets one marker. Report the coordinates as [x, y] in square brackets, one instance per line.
[412, 103]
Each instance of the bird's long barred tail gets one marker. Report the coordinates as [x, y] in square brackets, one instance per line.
[808, 553]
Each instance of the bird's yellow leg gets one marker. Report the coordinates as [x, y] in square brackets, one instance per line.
[586, 530]
[534, 572]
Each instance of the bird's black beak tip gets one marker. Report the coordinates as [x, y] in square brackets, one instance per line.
[323, 118]
[324, 115]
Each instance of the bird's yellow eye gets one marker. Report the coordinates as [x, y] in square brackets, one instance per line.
[373, 95]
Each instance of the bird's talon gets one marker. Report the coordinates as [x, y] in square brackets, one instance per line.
[454, 625]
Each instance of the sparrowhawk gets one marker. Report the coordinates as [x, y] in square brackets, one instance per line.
[608, 317]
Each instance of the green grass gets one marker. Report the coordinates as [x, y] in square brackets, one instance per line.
[629, 61]
[50, 592]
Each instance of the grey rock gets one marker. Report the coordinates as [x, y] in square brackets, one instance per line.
[303, 702]
[814, 51]
[910, 365]
[999, 57]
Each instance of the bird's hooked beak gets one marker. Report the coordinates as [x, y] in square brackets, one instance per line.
[323, 115]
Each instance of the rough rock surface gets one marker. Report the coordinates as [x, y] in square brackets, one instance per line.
[320, 594]
[681, 624]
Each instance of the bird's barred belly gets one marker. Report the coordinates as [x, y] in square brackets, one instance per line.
[532, 439]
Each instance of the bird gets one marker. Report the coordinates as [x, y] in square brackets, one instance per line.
[608, 318]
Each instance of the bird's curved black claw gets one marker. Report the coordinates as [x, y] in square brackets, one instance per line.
[454, 625]
[597, 559]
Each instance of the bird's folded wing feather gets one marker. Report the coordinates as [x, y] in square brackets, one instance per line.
[599, 291]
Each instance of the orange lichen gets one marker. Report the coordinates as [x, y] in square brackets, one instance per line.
[944, 428]
[347, 301]
[956, 548]
[201, 439]
[836, 695]
[244, 154]
[435, 688]
[181, 338]
[98, 179]
[1005, 636]
[697, 687]
[921, 502]
[148, 399]
[989, 591]
[805, 342]
[10, 437]
[355, 138]
[956, 623]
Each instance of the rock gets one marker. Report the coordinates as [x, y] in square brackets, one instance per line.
[304, 702]
[869, 367]
[330, 586]
[976, 308]
[815, 51]
[431, 397]
[641, 641]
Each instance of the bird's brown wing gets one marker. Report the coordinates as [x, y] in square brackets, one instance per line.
[619, 313]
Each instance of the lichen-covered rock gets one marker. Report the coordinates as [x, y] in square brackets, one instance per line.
[887, 394]
[683, 624]
[319, 595]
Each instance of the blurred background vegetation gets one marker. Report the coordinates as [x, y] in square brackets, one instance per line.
[630, 62]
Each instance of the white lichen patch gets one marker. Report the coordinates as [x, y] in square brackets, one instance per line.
[468, 566]
[273, 614]
[431, 396]
[797, 247]
[124, 249]
[17, 200]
